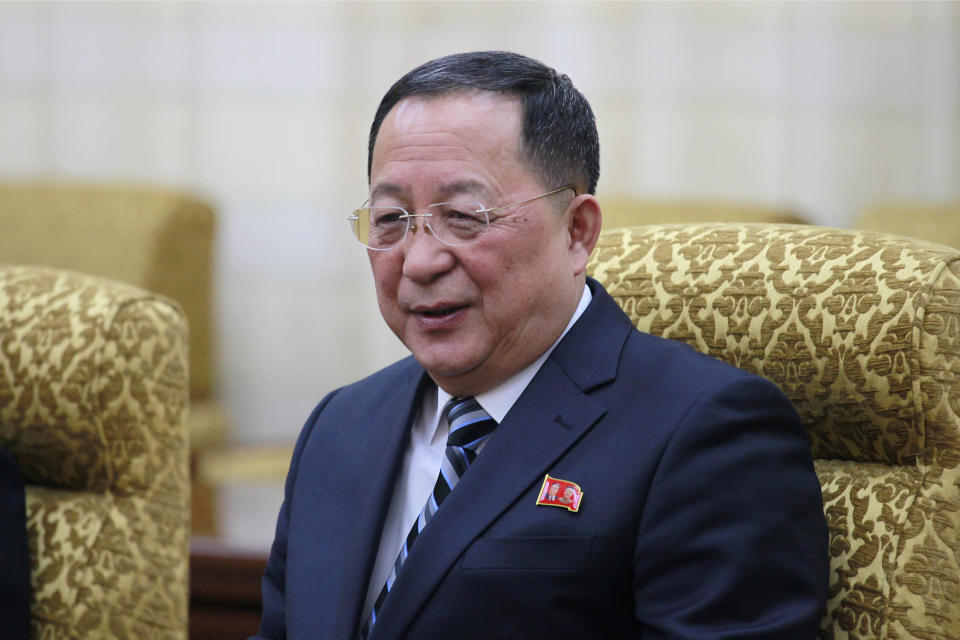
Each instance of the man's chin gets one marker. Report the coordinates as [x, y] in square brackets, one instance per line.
[445, 370]
[445, 358]
[456, 378]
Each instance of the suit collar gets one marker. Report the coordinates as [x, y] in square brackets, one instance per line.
[525, 445]
[590, 353]
[498, 401]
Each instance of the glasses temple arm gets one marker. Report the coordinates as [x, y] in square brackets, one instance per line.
[542, 195]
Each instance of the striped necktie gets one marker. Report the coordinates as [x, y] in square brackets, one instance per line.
[470, 427]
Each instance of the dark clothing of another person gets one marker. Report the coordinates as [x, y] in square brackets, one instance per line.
[14, 558]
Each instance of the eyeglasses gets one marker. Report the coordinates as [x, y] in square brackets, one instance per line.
[453, 223]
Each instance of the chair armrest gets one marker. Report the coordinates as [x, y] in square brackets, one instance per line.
[93, 403]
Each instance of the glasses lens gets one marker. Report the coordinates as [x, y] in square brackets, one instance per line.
[379, 227]
[457, 222]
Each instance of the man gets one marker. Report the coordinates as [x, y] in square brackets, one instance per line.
[552, 492]
[700, 515]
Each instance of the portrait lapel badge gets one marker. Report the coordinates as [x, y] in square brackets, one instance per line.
[560, 493]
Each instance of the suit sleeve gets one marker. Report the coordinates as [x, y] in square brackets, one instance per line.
[273, 586]
[732, 541]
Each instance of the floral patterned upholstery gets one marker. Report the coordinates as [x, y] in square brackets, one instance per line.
[862, 331]
[93, 400]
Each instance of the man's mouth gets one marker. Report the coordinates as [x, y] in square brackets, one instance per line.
[439, 313]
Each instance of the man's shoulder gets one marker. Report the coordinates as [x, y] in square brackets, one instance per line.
[395, 384]
[607, 346]
[405, 373]
[675, 371]
[675, 358]
[401, 372]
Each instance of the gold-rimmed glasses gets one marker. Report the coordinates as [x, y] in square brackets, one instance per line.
[454, 223]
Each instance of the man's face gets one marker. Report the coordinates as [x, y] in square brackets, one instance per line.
[472, 315]
[554, 489]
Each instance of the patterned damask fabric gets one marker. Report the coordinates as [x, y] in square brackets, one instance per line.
[93, 401]
[862, 332]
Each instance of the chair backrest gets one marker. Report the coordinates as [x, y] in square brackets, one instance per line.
[862, 331]
[93, 399]
[936, 222]
[620, 212]
[158, 240]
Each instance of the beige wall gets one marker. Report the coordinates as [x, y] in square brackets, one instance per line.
[264, 108]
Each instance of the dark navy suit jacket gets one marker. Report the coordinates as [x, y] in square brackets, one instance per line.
[701, 514]
[14, 558]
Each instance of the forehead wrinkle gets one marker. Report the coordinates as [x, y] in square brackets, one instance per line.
[437, 147]
[466, 187]
[412, 133]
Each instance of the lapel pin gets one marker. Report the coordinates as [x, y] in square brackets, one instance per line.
[560, 493]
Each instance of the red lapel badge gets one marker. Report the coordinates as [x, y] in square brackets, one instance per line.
[560, 493]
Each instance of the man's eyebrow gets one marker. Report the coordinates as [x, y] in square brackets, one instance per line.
[385, 189]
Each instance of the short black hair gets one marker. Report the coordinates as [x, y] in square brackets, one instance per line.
[559, 134]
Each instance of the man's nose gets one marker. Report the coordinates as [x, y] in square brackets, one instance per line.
[424, 256]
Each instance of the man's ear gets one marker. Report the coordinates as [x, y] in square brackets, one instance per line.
[584, 229]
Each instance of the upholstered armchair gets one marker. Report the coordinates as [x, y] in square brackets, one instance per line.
[862, 331]
[620, 212]
[93, 399]
[153, 238]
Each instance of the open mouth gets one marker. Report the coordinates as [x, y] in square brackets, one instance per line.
[439, 313]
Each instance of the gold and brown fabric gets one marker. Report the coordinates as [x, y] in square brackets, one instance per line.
[152, 238]
[862, 331]
[620, 212]
[93, 399]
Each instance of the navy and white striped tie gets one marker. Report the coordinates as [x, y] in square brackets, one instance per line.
[470, 426]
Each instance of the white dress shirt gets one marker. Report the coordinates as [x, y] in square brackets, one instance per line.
[428, 443]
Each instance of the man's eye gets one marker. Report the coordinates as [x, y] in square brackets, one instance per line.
[463, 215]
[463, 223]
[385, 218]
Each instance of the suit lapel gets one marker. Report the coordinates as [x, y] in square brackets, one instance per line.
[551, 415]
[365, 465]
